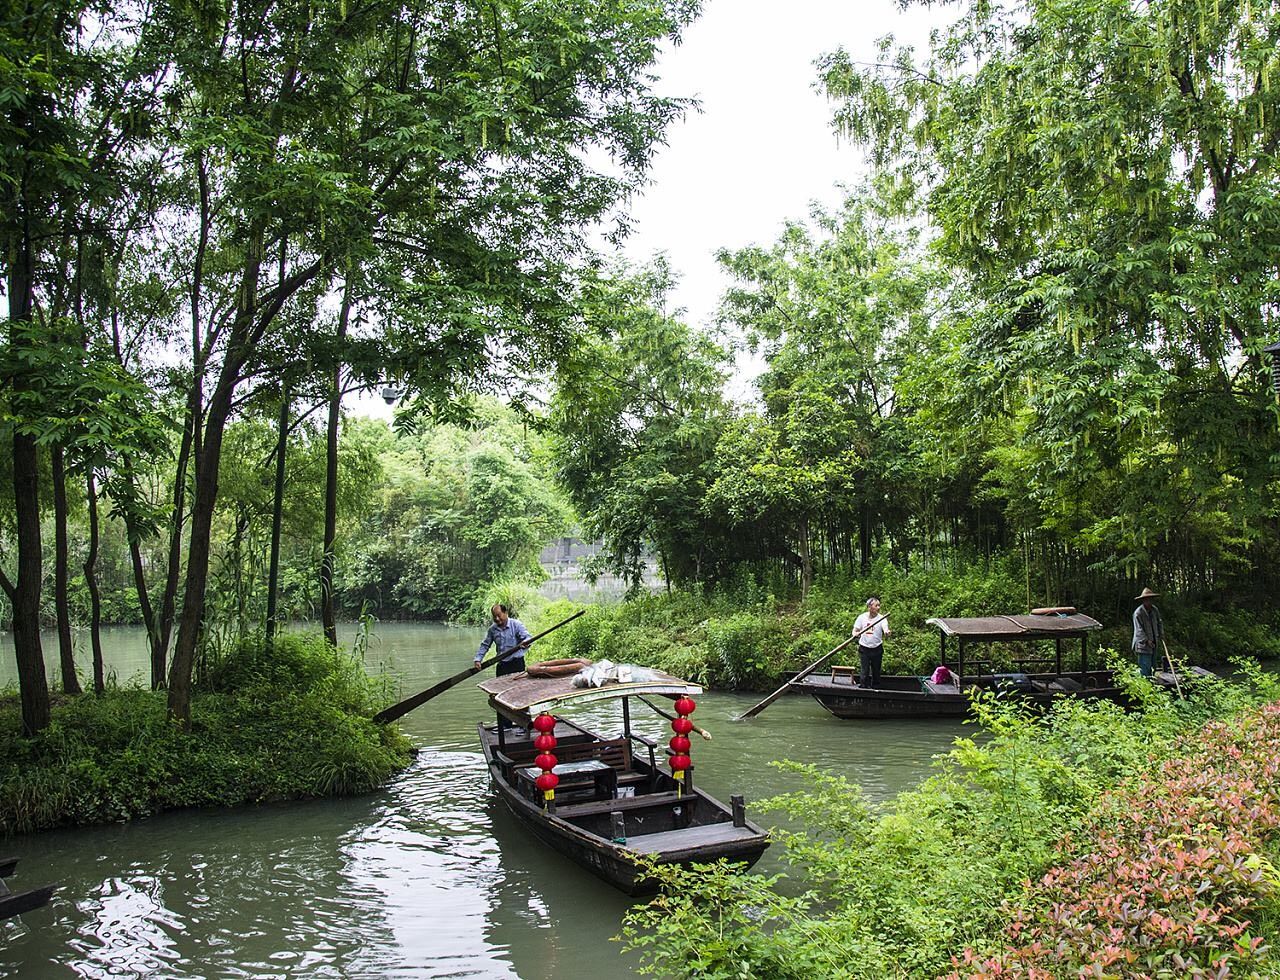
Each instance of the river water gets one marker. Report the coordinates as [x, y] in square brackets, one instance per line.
[429, 878]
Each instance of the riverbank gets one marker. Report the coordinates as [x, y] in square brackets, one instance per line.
[1092, 802]
[288, 724]
[746, 634]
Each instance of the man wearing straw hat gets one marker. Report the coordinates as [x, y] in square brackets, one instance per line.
[1148, 632]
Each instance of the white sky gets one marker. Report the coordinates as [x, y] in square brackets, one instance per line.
[762, 148]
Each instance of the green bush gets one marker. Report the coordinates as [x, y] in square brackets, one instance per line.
[897, 890]
[287, 722]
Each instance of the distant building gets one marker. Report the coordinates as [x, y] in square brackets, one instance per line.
[562, 561]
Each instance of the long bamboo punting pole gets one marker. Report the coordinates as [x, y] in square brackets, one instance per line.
[408, 704]
[752, 712]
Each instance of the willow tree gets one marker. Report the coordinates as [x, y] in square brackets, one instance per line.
[1102, 174]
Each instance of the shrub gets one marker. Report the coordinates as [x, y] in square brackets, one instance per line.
[287, 722]
[897, 889]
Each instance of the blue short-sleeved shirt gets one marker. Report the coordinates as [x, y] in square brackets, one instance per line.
[507, 637]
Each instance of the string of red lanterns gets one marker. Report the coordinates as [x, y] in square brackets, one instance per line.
[544, 725]
[680, 744]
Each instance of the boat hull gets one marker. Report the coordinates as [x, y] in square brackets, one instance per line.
[622, 864]
[906, 697]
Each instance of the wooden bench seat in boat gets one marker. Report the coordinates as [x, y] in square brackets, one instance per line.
[626, 803]
[931, 688]
[848, 673]
[690, 838]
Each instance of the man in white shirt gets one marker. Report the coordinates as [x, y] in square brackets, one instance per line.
[871, 643]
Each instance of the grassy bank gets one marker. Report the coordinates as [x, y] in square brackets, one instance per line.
[286, 724]
[745, 633]
[1069, 800]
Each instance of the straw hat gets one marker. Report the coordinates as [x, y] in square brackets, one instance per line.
[1147, 594]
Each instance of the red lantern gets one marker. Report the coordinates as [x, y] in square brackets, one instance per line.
[679, 763]
[544, 743]
[682, 726]
[685, 706]
[680, 744]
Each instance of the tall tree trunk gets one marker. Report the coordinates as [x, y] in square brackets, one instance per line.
[91, 579]
[277, 515]
[237, 572]
[66, 653]
[327, 557]
[806, 559]
[168, 599]
[864, 537]
[206, 496]
[33, 685]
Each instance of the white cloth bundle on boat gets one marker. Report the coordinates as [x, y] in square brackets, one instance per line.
[604, 672]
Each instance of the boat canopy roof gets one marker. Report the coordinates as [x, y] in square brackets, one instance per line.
[1030, 627]
[520, 693]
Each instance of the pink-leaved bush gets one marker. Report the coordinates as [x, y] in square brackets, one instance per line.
[1174, 875]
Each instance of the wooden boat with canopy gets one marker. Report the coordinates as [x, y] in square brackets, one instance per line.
[1034, 677]
[608, 803]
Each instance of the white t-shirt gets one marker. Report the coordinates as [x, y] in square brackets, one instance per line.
[874, 637]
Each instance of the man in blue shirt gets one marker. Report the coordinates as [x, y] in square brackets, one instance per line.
[512, 638]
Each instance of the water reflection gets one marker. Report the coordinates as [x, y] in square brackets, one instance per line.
[542, 903]
[432, 877]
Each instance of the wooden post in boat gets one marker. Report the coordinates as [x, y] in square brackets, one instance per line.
[960, 665]
[626, 719]
[1172, 669]
[739, 810]
[1057, 646]
[942, 648]
[1084, 660]
[619, 825]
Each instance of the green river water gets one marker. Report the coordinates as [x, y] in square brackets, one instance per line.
[431, 877]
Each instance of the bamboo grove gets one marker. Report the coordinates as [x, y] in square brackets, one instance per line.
[1034, 335]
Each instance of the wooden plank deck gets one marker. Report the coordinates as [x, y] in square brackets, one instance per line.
[690, 837]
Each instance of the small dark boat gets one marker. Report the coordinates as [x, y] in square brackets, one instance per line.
[898, 696]
[614, 806]
[16, 903]
[901, 696]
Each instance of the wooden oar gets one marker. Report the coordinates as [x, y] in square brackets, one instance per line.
[670, 717]
[407, 705]
[752, 712]
[1172, 669]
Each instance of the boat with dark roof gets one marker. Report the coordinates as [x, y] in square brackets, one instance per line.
[1035, 680]
[614, 807]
